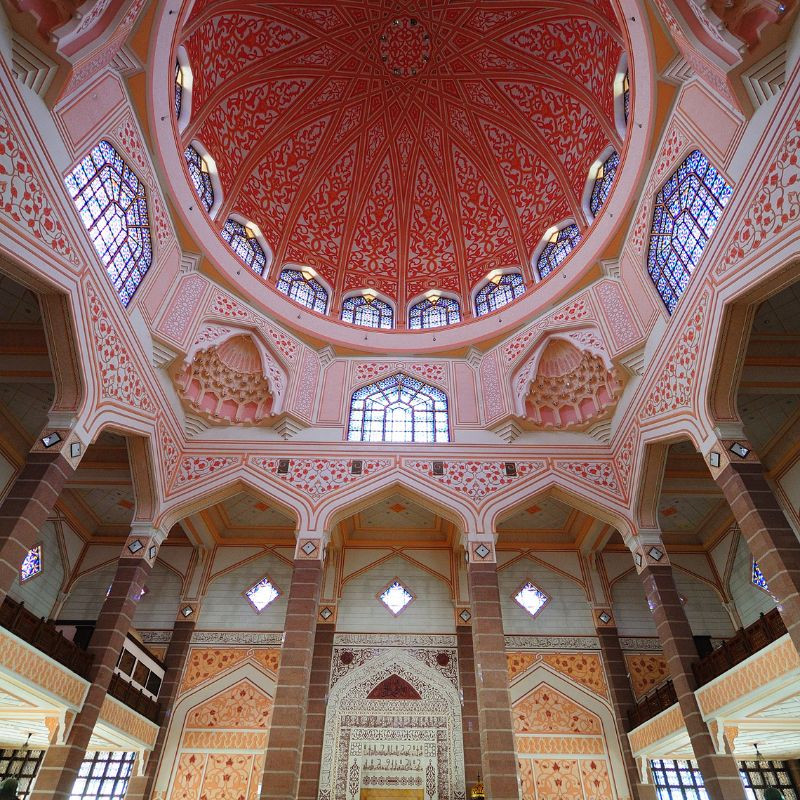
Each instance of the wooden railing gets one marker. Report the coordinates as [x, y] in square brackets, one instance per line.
[42, 635]
[654, 702]
[134, 698]
[742, 645]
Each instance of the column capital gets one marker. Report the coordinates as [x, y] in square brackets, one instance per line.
[648, 549]
[311, 545]
[59, 436]
[603, 616]
[480, 548]
[188, 611]
[143, 541]
[721, 452]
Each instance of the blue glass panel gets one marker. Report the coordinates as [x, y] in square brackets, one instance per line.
[602, 183]
[499, 292]
[31, 564]
[434, 313]
[367, 311]
[399, 409]
[306, 291]
[758, 578]
[557, 249]
[112, 205]
[198, 171]
[178, 89]
[245, 245]
[685, 214]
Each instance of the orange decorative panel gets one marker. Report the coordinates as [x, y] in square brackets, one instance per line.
[557, 779]
[205, 663]
[646, 670]
[583, 668]
[227, 776]
[596, 780]
[241, 707]
[545, 710]
[189, 776]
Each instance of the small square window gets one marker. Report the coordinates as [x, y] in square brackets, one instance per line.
[531, 598]
[31, 564]
[261, 594]
[395, 596]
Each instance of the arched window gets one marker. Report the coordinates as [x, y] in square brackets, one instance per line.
[243, 242]
[499, 291]
[178, 88]
[626, 95]
[198, 170]
[602, 182]
[685, 214]
[367, 310]
[112, 205]
[303, 289]
[398, 409]
[558, 247]
[434, 312]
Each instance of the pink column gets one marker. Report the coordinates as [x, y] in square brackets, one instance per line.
[61, 763]
[283, 761]
[31, 500]
[720, 771]
[619, 685]
[765, 528]
[498, 755]
[470, 725]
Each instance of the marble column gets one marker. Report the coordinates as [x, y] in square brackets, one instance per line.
[719, 770]
[470, 726]
[315, 715]
[498, 756]
[31, 499]
[622, 698]
[765, 528]
[284, 756]
[61, 763]
[141, 785]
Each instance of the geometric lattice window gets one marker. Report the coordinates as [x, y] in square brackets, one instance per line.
[626, 96]
[243, 242]
[758, 578]
[531, 598]
[198, 172]
[602, 182]
[112, 205]
[677, 780]
[757, 776]
[367, 310]
[434, 312]
[499, 291]
[395, 596]
[302, 288]
[398, 409]
[22, 765]
[31, 564]
[261, 594]
[178, 88]
[558, 247]
[685, 214]
[103, 776]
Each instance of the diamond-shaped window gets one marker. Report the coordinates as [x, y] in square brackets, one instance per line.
[531, 598]
[262, 594]
[395, 596]
[758, 578]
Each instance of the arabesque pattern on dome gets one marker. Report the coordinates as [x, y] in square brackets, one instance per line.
[403, 146]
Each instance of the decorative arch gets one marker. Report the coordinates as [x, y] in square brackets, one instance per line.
[556, 246]
[183, 88]
[204, 177]
[355, 720]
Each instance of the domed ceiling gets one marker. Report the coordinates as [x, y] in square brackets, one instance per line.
[403, 146]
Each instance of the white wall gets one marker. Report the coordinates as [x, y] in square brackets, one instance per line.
[41, 592]
[224, 608]
[361, 612]
[750, 601]
[159, 607]
[88, 593]
[704, 609]
[567, 613]
[630, 607]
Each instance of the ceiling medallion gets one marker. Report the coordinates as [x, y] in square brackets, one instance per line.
[405, 46]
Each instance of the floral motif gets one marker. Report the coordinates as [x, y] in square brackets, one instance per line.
[600, 474]
[205, 663]
[241, 707]
[192, 468]
[544, 710]
[646, 670]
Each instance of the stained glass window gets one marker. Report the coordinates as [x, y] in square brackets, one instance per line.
[178, 88]
[558, 247]
[22, 765]
[103, 776]
[262, 594]
[757, 776]
[531, 598]
[303, 289]
[602, 182]
[31, 564]
[395, 597]
[112, 205]
[499, 291]
[369, 311]
[399, 409]
[198, 171]
[243, 242]
[626, 95]
[677, 780]
[758, 578]
[686, 213]
[434, 312]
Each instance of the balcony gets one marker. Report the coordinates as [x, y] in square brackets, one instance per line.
[134, 698]
[653, 703]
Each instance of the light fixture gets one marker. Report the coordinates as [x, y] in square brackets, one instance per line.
[605, 617]
[655, 554]
[135, 546]
[51, 439]
[326, 613]
[187, 611]
[75, 449]
[308, 273]
[715, 459]
[739, 449]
